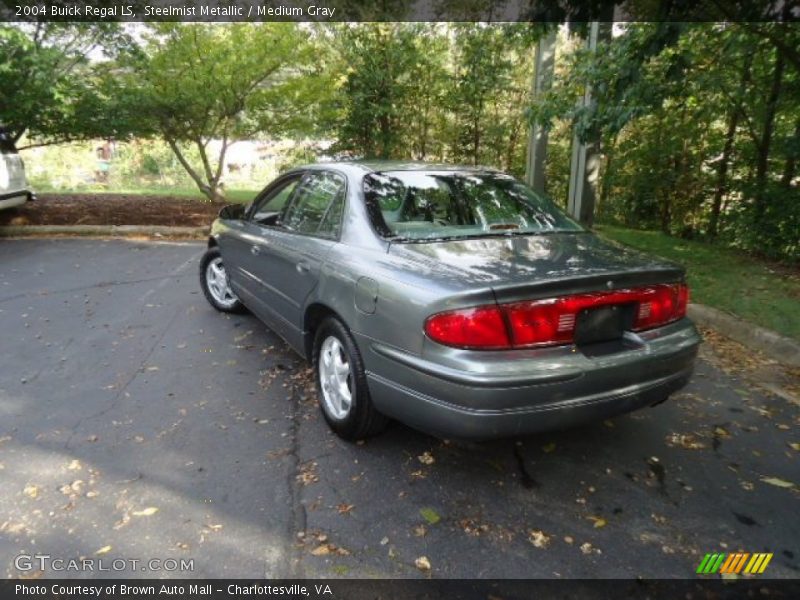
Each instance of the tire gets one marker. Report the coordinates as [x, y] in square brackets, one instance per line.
[360, 419]
[219, 294]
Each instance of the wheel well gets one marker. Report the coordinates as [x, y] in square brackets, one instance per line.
[315, 314]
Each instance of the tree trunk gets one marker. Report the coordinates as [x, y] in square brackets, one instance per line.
[730, 135]
[209, 191]
[790, 168]
[605, 180]
[765, 143]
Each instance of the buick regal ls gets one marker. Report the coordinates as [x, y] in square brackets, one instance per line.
[451, 298]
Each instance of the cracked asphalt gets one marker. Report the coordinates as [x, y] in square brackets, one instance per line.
[137, 423]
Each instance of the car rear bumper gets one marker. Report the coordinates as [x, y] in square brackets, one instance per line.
[528, 391]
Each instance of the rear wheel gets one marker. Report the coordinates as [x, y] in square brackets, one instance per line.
[215, 284]
[342, 384]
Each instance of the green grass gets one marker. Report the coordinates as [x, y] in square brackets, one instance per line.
[758, 291]
[234, 196]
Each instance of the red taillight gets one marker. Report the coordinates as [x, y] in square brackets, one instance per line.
[551, 322]
[481, 327]
[659, 305]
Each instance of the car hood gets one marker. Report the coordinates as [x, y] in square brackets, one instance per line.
[535, 262]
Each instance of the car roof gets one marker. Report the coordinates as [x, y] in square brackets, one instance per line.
[396, 165]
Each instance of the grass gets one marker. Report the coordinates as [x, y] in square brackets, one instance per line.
[761, 292]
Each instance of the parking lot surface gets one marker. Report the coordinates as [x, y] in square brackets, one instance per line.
[137, 423]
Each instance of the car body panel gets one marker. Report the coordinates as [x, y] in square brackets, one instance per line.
[14, 189]
[384, 290]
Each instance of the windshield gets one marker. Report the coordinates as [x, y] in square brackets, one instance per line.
[433, 205]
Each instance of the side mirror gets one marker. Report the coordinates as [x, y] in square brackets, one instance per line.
[232, 211]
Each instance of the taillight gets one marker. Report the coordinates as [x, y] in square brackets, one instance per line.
[552, 321]
[659, 305]
[481, 327]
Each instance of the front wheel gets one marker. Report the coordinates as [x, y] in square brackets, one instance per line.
[342, 384]
[215, 284]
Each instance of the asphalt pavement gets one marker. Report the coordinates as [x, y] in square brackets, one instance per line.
[137, 423]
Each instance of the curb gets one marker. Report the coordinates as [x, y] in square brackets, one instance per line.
[776, 346]
[103, 230]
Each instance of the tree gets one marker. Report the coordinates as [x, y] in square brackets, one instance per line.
[192, 84]
[379, 63]
[47, 82]
[491, 82]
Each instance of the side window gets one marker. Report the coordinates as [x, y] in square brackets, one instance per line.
[6, 143]
[269, 208]
[317, 205]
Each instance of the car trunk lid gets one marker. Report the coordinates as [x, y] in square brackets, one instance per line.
[535, 266]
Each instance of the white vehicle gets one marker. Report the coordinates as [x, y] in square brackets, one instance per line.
[13, 183]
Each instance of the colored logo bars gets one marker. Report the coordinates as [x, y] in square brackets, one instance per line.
[734, 563]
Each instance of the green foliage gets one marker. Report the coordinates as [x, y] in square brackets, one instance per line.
[433, 92]
[48, 87]
[380, 66]
[699, 125]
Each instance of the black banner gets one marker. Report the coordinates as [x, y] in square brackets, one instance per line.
[538, 11]
[369, 589]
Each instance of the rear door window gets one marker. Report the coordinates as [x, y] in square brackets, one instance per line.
[317, 205]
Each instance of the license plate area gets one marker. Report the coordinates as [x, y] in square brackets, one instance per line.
[604, 323]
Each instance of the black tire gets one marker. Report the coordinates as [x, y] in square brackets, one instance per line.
[362, 420]
[236, 306]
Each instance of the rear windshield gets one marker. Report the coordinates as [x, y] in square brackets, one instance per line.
[433, 205]
[6, 143]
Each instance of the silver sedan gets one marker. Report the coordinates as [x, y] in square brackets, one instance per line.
[451, 298]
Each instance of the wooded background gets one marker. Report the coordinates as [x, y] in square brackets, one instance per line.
[698, 123]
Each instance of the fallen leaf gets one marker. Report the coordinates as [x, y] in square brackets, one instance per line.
[420, 530]
[598, 521]
[777, 482]
[75, 465]
[721, 432]
[538, 538]
[384, 541]
[568, 539]
[345, 508]
[426, 458]
[794, 446]
[322, 550]
[687, 441]
[423, 564]
[586, 548]
[214, 527]
[147, 512]
[104, 550]
[430, 515]
[32, 491]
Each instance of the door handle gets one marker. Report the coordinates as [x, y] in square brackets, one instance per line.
[303, 267]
